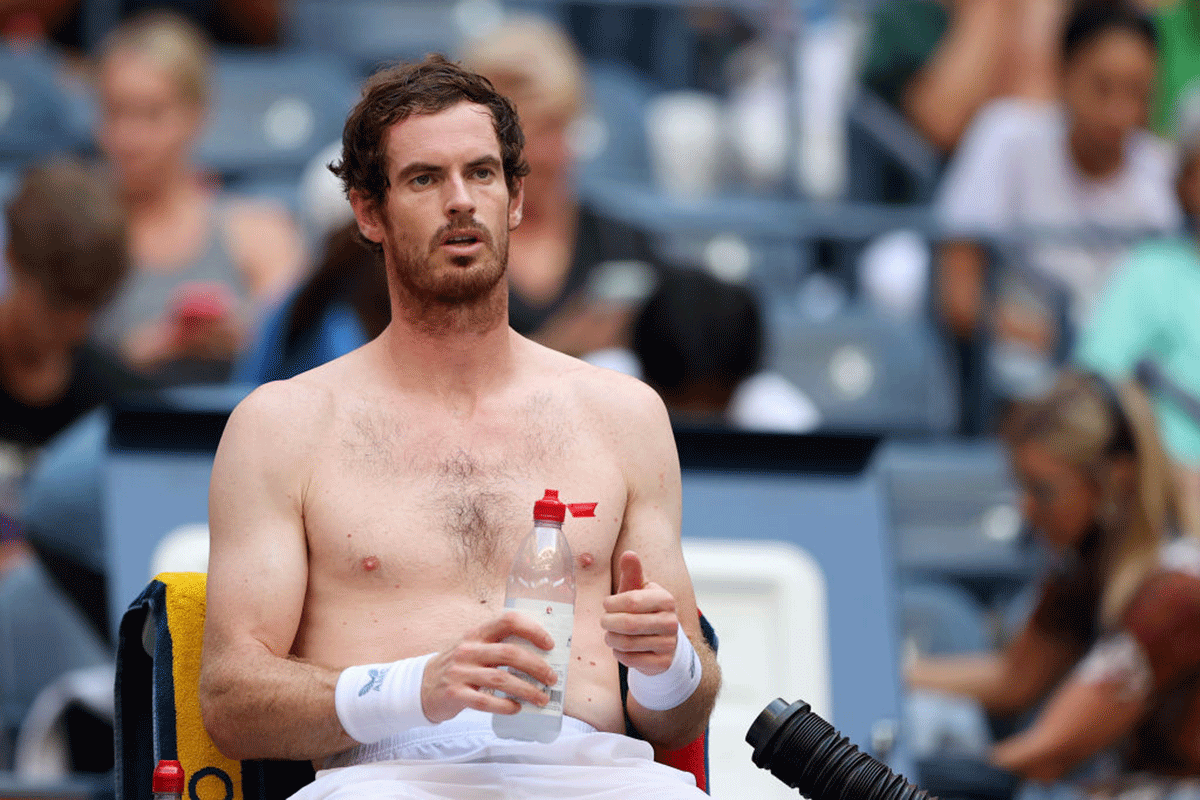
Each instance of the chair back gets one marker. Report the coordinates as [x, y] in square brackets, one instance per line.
[158, 702]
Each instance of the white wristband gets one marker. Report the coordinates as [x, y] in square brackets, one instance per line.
[377, 700]
[670, 688]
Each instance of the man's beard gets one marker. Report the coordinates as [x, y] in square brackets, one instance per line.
[461, 282]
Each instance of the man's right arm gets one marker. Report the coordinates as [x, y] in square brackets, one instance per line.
[257, 700]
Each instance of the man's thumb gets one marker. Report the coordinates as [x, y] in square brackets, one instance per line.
[632, 577]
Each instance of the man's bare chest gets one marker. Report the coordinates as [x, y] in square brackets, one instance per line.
[426, 508]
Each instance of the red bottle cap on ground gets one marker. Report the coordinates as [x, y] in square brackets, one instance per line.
[168, 778]
[550, 508]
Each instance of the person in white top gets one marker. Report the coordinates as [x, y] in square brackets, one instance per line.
[1085, 163]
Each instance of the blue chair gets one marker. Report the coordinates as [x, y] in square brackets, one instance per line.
[953, 511]
[368, 33]
[866, 373]
[272, 113]
[36, 116]
[942, 619]
[619, 97]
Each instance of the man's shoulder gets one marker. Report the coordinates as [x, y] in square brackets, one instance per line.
[287, 411]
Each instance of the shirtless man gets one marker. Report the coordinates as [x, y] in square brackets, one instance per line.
[367, 512]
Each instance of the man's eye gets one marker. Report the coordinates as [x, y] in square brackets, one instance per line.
[422, 180]
[483, 173]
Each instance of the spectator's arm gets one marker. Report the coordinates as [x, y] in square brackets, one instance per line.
[1083, 718]
[960, 77]
[267, 247]
[1003, 683]
[961, 286]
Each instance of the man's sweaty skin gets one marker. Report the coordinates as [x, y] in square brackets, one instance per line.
[369, 510]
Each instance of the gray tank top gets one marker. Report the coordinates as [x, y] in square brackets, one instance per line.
[147, 293]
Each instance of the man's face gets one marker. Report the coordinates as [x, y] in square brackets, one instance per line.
[444, 226]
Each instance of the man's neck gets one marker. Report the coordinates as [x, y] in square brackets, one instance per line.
[455, 352]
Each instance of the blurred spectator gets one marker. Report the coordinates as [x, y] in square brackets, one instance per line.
[343, 305]
[1114, 639]
[203, 262]
[940, 62]
[66, 257]
[1151, 309]
[64, 22]
[560, 242]
[699, 342]
[1088, 162]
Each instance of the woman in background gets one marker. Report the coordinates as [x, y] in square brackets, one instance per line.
[1114, 641]
[203, 263]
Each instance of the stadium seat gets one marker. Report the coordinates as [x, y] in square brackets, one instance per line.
[865, 373]
[273, 112]
[368, 33]
[889, 161]
[612, 136]
[36, 117]
[953, 511]
[42, 636]
[942, 619]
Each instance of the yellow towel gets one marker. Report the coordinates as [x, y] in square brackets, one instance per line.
[211, 773]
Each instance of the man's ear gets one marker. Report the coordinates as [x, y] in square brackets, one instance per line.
[366, 214]
[516, 201]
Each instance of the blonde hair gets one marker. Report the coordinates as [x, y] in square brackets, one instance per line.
[1080, 420]
[534, 64]
[172, 43]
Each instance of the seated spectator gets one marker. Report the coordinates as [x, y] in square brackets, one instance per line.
[560, 241]
[1088, 162]
[940, 62]
[1113, 644]
[699, 343]
[1151, 309]
[343, 305]
[66, 255]
[203, 262]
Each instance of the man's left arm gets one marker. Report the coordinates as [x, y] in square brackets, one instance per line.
[670, 701]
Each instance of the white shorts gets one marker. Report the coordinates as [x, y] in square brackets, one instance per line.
[462, 759]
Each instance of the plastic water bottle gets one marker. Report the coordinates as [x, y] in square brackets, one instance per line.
[168, 781]
[541, 584]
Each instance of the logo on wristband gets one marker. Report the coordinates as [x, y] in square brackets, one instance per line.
[374, 682]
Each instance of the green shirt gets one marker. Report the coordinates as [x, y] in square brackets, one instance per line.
[1178, 27]
[904, 34]
[1151, 308]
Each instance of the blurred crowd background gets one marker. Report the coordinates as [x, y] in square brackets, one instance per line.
[931, 222]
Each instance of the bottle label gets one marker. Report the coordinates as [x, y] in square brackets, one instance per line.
[559, 621]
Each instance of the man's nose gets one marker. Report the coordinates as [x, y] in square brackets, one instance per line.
[459, 200]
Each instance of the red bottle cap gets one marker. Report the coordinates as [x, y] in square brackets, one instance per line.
[168, 778]
[550, 508]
